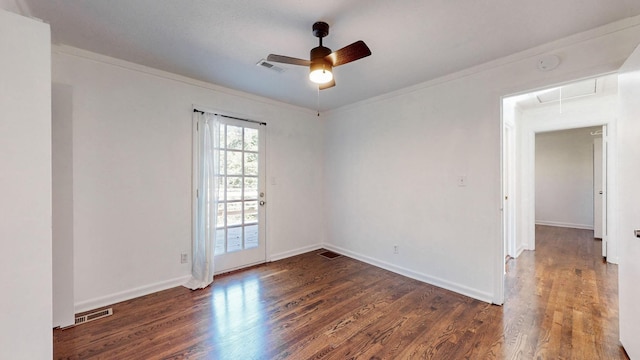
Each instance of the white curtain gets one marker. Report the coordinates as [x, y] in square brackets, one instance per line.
[205, 228]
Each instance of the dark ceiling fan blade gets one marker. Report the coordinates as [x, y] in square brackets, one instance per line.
[288, 60]
[349, 53]
[330, 84]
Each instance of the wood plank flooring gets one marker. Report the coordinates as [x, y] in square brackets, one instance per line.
[561, 303]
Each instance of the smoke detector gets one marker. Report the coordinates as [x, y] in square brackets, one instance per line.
[548, 62]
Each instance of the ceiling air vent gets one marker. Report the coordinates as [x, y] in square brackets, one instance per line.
[270, 66]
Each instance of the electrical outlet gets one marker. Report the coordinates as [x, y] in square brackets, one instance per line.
[183, 258]
[396, 249]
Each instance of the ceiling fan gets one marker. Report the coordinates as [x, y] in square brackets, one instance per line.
[322, 60]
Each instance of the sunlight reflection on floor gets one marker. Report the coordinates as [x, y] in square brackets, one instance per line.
[238, 319]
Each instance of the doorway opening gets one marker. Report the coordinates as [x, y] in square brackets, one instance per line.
[581, 104]
[569, 179]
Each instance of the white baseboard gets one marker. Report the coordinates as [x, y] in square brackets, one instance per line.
[103, 301]
[111, 299]
[520, 250]
[562, 224]
[458, 288]
[290, 253]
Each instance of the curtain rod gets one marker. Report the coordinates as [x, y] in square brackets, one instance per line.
[233, 117]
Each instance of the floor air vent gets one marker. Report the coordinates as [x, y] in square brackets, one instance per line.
[94, 316]
[329, 254]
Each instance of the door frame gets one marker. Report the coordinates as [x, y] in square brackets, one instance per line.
[194, 178]
[524, 192]
[509, 189]
[528, 207]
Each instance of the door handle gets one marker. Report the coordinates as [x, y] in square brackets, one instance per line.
[637, 233]
[600, 192]
[262, 202]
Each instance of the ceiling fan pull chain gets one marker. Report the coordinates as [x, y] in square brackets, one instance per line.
[318, 107]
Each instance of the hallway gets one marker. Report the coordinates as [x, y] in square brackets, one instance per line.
[562, 299]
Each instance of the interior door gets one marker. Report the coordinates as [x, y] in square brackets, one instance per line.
[628, 155]
[600, 189]
[240, 224]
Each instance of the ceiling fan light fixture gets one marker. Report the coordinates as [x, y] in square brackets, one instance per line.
[322, 61]
[320, 73]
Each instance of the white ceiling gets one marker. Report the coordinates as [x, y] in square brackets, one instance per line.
[220, 41]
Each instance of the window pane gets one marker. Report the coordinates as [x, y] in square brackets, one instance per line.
[220, 216]
[221, 162]
[234, 162]
[220, 240]
[250, 236]
[237, 189]
[234, 188]
[220, 187]
[250, 188]
[250, 164]
[251, 139]
[250, 212]
[234, 239]
[234, 213]
[234, 137]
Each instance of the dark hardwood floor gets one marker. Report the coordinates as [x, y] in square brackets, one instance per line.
[561, 303]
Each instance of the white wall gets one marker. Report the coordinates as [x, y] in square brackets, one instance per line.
[392, 164]
[132, 173]
[62, 204]
[564, 178]
[25, 188]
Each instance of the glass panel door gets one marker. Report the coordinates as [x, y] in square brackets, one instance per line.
[240, 235]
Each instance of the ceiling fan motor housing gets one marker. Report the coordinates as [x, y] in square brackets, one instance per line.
[320, 29]
[318, 61]
[318, 53]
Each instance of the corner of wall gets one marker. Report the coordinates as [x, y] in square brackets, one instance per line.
[431, 280]
[294, 252]
[111, 299]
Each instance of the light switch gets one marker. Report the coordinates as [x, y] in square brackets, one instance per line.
[462, 180]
